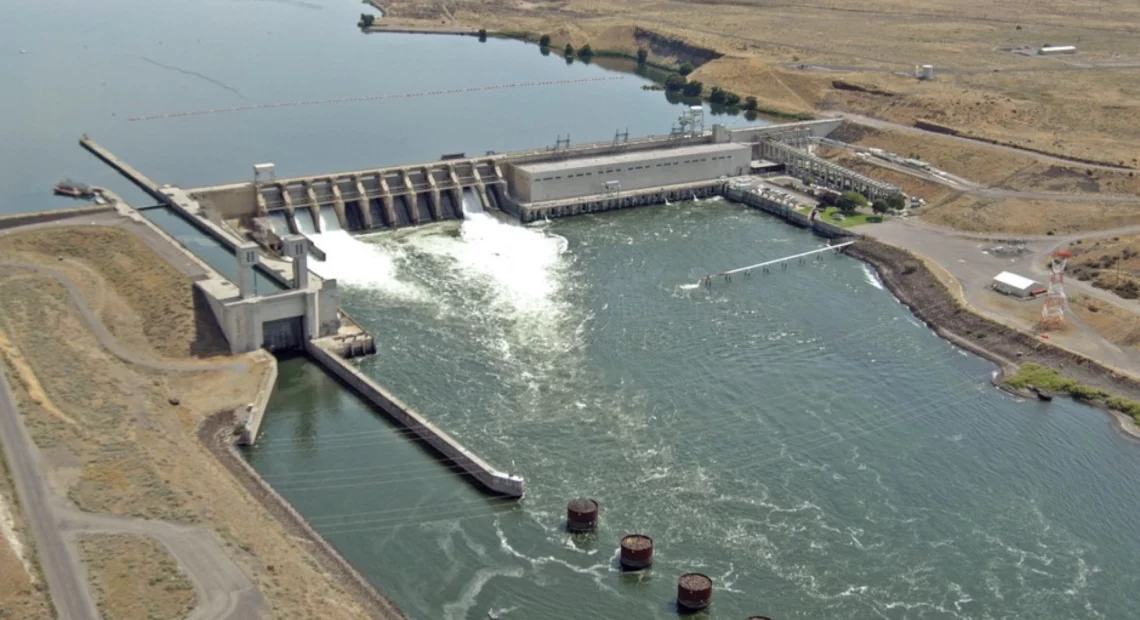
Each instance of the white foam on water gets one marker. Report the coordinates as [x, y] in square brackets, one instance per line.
[872, 278]
[356, 263]
[522, 266]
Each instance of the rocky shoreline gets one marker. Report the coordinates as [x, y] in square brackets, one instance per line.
[916, 287]
[216, 433]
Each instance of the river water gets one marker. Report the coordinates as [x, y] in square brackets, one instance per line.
[796, 435]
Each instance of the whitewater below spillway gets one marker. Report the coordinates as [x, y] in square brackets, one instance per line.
[794, 435]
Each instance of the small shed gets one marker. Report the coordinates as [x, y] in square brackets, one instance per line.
[1016, 286]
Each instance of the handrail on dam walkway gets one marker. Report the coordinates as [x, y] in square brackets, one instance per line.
[707, 280]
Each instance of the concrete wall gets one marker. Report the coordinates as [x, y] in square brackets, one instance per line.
[829, 230]
[229, 202]
[39, 217]
[496, 482]
[543, 182]
[253, 414]
[818, 129]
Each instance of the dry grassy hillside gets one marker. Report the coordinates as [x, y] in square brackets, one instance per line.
[1080, 105]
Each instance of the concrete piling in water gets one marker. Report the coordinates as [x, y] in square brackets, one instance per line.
[582, 515]
[694, 592]
[636, 552]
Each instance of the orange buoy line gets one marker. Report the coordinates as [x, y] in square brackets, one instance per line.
[428, 93]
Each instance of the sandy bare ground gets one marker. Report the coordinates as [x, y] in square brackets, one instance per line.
[974, 260]
[129, 461]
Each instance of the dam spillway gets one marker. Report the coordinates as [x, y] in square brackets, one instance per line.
[537, 184]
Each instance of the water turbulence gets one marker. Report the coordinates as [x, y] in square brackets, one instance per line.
[359, 264]
[521, 265]
[279, 221]
[508, 282]
[329, 221]
[303, 219]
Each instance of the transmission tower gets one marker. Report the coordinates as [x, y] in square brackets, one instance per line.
[691, 123]
[621, 138]
[1053, 313]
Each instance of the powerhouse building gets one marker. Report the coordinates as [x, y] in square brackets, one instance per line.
[573, 178]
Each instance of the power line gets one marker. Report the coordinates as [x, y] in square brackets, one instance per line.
[413, 95]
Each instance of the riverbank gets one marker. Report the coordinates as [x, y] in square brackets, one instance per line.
[912, 282]
[216, 434]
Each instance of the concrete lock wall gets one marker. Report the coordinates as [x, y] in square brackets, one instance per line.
[228, 201]
[547, 181]
[494, 481]
[284, 305]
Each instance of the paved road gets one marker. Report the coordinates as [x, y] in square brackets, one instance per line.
[65, 576]
[881, 124]
[224, 591]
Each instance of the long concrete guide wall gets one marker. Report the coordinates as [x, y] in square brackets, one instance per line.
[496, 482]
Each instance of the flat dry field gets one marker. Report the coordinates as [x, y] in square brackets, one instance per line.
[134, 578]
[112, 440]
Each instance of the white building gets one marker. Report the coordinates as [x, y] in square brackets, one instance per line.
[572, 178]
[1016, 286]
[1057, 49]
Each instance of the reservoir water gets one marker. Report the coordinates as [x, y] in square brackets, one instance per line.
[797, 436]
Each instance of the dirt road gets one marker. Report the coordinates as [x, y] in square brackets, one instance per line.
[65, 576]
[881, 124]
[224, 591]
[972, 188]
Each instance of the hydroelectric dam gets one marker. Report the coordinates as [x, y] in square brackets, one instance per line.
[270, 225]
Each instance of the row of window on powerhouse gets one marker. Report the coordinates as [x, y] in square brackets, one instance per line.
[613, 170]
